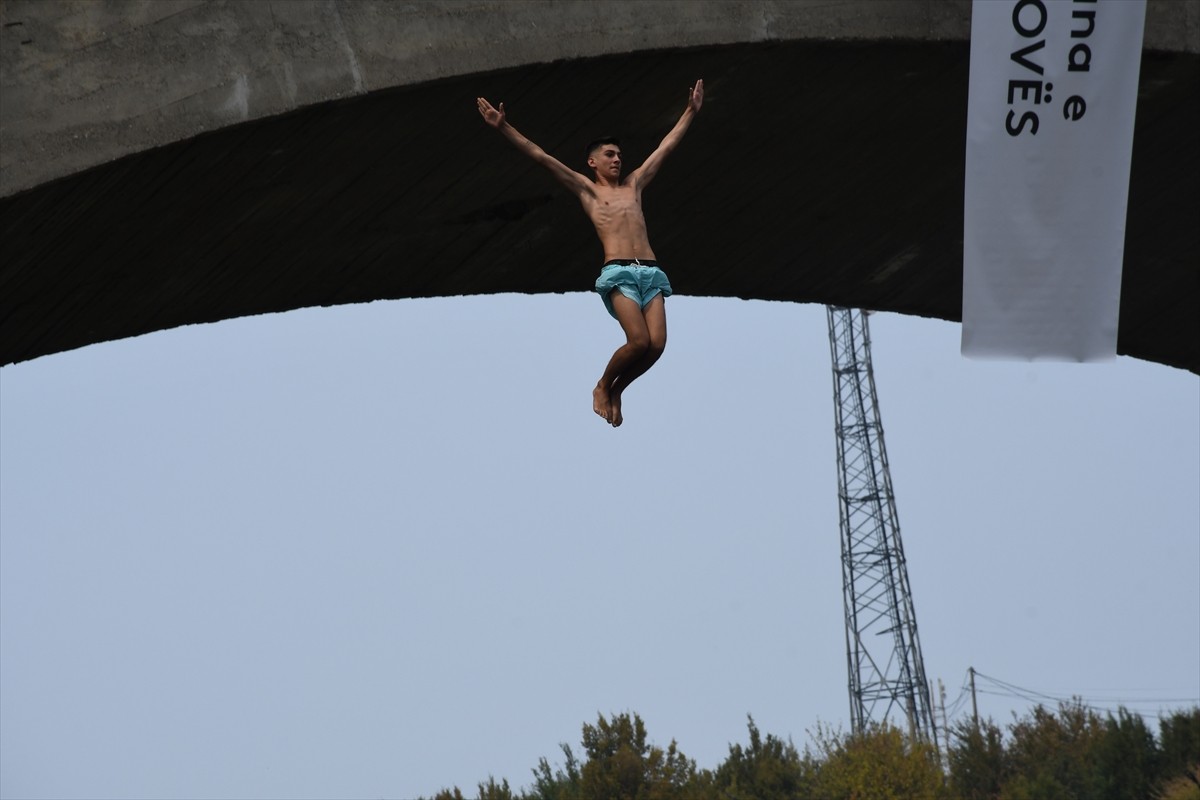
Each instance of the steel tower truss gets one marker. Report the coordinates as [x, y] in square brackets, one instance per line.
[883, 653]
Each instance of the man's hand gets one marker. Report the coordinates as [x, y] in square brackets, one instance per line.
[490, 115]
[563, 174]
[695, 97]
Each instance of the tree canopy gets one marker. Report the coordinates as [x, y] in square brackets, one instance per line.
[1048, 754]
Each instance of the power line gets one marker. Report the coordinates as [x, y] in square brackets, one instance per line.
[1109, 705]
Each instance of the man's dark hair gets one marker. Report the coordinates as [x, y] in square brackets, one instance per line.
[596, 144]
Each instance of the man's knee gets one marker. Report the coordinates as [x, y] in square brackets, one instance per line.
[658, 340]
[639, 342]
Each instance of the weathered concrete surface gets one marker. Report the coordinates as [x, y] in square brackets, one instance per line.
[87, 81]
[181, 161]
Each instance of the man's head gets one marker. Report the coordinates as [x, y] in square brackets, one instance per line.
[604, 156]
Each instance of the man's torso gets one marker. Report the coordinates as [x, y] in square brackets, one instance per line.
[617, 214]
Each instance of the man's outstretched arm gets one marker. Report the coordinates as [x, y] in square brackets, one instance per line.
[564, 174]
[646, 172]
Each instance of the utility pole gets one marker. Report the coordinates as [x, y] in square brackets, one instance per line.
[945, 721]
[883, 652]
[974, 705]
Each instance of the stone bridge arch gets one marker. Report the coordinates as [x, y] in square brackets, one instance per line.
[181, 161]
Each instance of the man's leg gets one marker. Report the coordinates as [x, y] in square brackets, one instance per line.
[655, 317]
[637, 343]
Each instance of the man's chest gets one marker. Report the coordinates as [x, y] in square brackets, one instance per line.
[616, 204]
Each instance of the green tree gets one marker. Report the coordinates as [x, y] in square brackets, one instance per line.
[558, 784]
[622, 765]
[1127, 758]
[495, 791]
[1184, 787]
[978, 761]
[1055, 756]
[880, 764]
[768, 769]
[1179, 744]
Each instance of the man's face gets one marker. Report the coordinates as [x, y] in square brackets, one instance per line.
[606, 160]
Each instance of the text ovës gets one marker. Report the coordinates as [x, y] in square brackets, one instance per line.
[1028, 93]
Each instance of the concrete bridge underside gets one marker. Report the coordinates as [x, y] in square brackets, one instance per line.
[820, 171]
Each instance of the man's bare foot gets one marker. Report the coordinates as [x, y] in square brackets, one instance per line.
[601, 403]
[615, 404]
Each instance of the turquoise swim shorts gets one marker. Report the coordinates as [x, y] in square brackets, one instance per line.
[638, 280]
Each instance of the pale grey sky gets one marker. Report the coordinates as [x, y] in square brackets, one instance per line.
[372, 551]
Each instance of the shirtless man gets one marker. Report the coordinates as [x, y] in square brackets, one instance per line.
[630, 283]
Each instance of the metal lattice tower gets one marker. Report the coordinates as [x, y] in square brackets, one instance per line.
[883, 653]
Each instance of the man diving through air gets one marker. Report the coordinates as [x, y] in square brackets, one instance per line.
[630, 283]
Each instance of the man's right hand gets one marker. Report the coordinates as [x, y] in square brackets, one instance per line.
[696, 97]
[490, 115]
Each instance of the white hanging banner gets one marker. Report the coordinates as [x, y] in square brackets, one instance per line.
[1053, 90]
